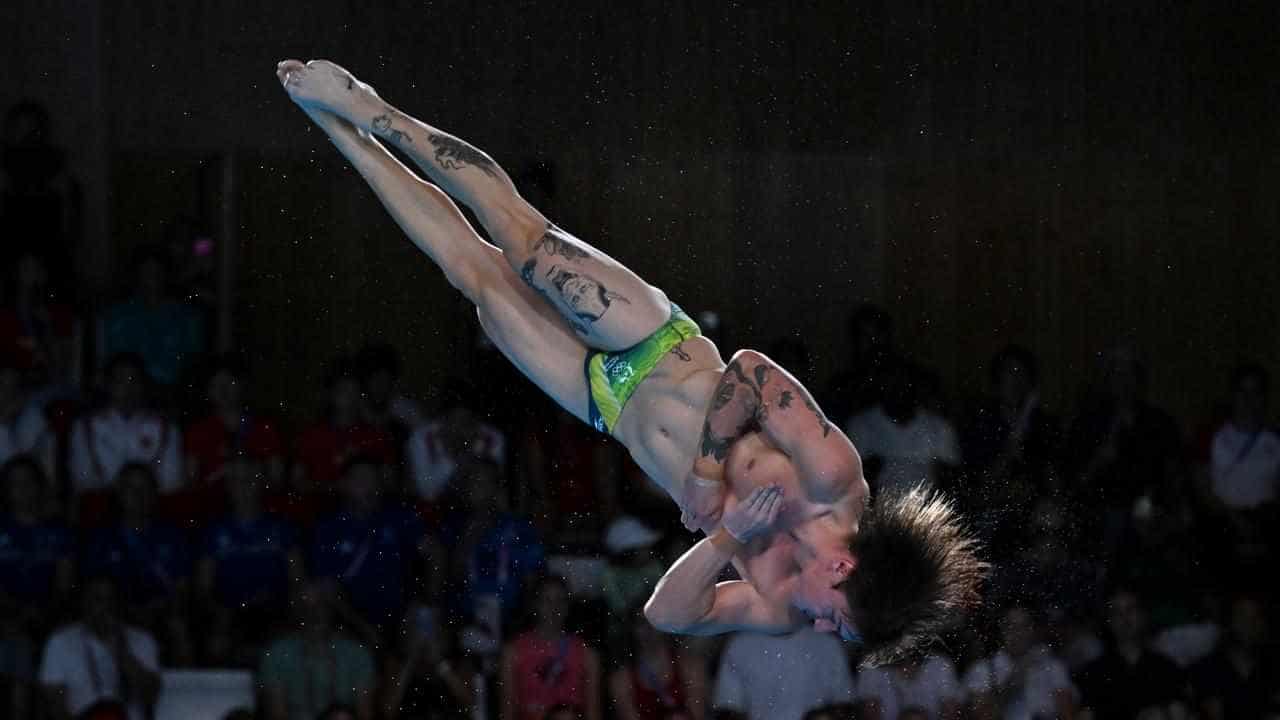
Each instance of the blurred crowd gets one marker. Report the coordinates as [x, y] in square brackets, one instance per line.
[454, 556]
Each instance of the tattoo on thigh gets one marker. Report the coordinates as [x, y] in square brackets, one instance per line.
[586, 296]
[382, 124]
[453, 154]
[527, 275]
[553, 244]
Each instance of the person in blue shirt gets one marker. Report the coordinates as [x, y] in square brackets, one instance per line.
[150, 561]
[248, 558]
[371, 550]
[36, 575]
[494, 550]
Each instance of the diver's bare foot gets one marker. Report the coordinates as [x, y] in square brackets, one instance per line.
[326, 86]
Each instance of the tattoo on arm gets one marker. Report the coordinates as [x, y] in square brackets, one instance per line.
[822, 419]
[454, 154]
[784, 402]
[713, 445]
[382, 124]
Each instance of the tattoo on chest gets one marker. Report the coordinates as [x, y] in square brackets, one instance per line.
[453, 154]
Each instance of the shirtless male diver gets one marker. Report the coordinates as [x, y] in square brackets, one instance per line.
[741, 447]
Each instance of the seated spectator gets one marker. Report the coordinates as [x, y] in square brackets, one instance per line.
[229, 429]
[859, 384]
[149, 560]
[247, 561]
[324, 447]
[654, 680]
[634, 567]
[1023, 679]
[548, 665]
[1126, 452]
[161, 329]
[36, 574]
[426, 680]
[768, 677]
[23, 428]
[437, 447]
[927, 686]
[570, 477]
[123, 431]
[385, 407]
[1010, 450]
[370, 548]
[1131, 679]
[494, 551]
[1239, 680]
[100, 664]
[901, 442]
[39, 335]
[315, 667]
[1244, 474]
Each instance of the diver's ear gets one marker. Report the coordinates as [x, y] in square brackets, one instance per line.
[824, 625]
[841, 569]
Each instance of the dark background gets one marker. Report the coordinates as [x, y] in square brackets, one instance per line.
[1060, 174]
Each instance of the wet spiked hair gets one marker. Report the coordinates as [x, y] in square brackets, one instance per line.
[918, 568]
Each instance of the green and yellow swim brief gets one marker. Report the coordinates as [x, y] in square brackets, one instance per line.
[612, 377]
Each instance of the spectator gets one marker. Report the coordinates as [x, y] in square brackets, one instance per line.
[148, 559]
[439, 446]
[324, 447]
[768, 677]
[100, 663]
[40, 203]
[370, 548]
[385, 407]
[39, 335]
[228, 430]
[655, 680]
[548, 665]
[494, 551]
[1244, 474]
[23, 429]
[633, 568]
[571, 477]
[425, 681]
[1130, 679]
[1010, 447]
[1239, 680]
[1127, 452]
[165, 332]
[860, 384]
[927, 685]
[902, 443]
[123, 432]
[1023, 680]
[315, 667]
[36, 573]
[248, 559]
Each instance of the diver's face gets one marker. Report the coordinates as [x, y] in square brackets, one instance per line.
[818, 595]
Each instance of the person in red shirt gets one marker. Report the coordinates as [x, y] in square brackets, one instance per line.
[325, 445]
[549, 666]
[656, 681]
[228, 429]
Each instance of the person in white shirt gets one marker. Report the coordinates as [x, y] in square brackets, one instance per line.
[100, 661]
[926, 684]
[781, 677]
[124, 432]
[902, 443]
[23, 429]
[1244, 464]
[1023, 680]
[436, 448]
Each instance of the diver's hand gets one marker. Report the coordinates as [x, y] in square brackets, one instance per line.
[755, 515]
[702, 503]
